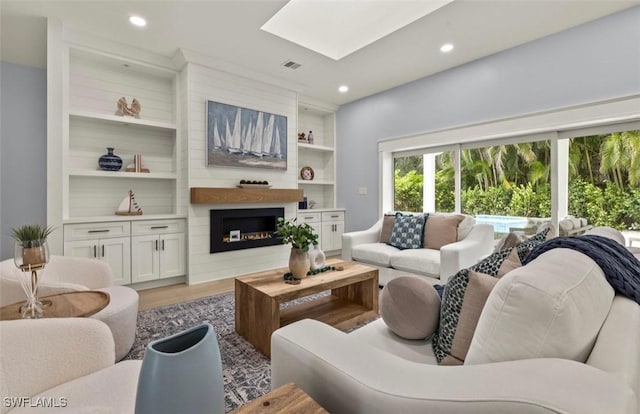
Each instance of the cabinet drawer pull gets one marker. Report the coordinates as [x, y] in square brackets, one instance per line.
[103, 250]
[95, 251]
[336, 216]
[162, 244]
[99, 231]
[156, 245]
[159, 227]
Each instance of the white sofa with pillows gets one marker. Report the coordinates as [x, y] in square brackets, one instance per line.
[437, 247]
[548, 337]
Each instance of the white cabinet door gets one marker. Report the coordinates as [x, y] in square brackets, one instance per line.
[317, 229]
[81, 248]
[332, 235]
[145, 263]
[172, 255]
[117, 253]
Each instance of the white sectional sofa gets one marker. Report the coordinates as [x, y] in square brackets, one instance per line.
[474, 242]
[372, 370]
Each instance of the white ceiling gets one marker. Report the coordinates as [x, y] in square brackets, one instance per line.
[229, 31]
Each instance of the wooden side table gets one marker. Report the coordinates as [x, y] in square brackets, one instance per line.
[64, 305]
[285, 399]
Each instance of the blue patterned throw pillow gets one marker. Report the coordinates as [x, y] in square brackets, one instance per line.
[407, 232]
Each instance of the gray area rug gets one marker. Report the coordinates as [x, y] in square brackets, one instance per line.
[247, 373]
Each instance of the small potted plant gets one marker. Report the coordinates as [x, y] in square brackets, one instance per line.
[31, 248]
[301, 237]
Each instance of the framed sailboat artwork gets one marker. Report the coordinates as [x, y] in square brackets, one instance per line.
[242, 137]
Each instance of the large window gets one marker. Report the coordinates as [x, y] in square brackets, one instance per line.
[424, 182]
[582, 161]
[507, 185]
[604, 179]
[408, 183]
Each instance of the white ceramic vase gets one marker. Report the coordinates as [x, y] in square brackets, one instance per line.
[316, 257]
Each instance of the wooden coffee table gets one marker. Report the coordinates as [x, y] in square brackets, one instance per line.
[353, 300]
[64, 305]
[285, 399]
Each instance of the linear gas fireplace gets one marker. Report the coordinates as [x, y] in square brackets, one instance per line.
[245, 228]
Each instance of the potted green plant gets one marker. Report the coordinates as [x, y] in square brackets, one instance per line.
[301, 237]
[31, 248]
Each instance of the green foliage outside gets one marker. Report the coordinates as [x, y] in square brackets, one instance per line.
[513, 180]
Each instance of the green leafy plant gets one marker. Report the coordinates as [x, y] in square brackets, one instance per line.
[301, 236]
[31, 235]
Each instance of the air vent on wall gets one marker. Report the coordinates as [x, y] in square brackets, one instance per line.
[291, 64]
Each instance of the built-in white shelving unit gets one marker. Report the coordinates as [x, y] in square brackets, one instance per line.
[93, 83]
[320, 155]
[326, 220]
[96, 81]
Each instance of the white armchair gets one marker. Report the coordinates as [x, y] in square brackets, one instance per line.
[71, 274]
[68, 362]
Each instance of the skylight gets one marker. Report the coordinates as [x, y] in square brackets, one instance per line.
[337, 28]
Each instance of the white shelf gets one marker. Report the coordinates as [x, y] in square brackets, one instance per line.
[97, 219]
[123, 174]
[122, 120]
[315, 147]
[316, 182]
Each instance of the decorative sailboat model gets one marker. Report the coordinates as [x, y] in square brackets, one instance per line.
[129, 206]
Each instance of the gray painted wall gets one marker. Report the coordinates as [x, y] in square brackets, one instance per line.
[23, 150]
[596, 61]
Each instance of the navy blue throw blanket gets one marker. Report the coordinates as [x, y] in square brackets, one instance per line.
[619, 265]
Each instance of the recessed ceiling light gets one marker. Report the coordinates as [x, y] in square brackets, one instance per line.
[343, 88]
[137, 21]
[447, 47]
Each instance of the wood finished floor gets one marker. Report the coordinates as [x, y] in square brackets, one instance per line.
[169, 295]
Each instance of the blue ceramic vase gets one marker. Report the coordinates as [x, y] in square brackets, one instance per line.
[110, 161]
[182, 374]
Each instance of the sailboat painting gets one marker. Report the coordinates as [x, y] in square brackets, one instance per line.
[242, 137]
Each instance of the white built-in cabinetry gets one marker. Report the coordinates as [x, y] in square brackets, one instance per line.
[328, 224]
[90, 196]
[106, 241]
[326, 220]
[157, 250]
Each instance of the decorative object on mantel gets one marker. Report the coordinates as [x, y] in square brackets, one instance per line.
[129, 206]
[137, 165]
[31, 254]
[306, 173]
[310, 137]
[110, 161]
[312, 204]
[242, 137]
[301, 237]
[124, 109]
[253, 184]
[301, 137]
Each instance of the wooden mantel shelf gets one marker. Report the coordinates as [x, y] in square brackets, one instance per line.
[210, 195]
